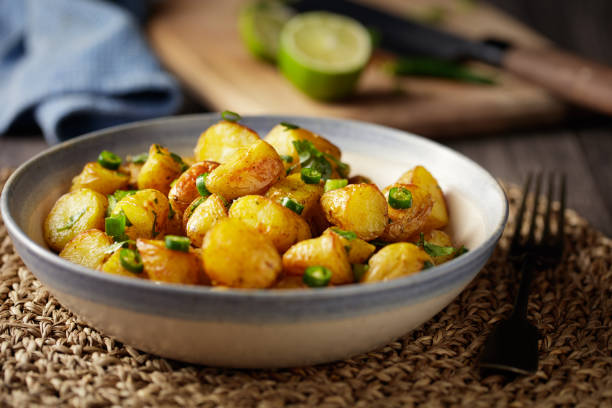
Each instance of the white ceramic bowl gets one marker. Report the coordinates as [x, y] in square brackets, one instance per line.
[257, 328]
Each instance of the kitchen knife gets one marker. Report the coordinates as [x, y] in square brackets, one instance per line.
[570, 77]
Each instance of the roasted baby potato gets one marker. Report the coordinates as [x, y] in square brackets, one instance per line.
[404, 223]
[239, 256]
[100, 179]
[438, 217]
[294, 187]
[357, 207]
[146, 211]
[222, 140]
[88, 248]
[289, 282]
[281, 137]
[184, 190]
[357, 250]
[395, 261]
[203, 217]
[72, 214]
[113, 265]
[160, 169]
[166, 265]
[326, 250]
[247, 171]
[441, 239]
[280, 225]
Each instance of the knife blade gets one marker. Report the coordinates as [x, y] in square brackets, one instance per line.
[568, 76]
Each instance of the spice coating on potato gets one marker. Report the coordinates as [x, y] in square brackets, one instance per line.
[166, 265]
[282, 138]
[160, 169]
[247, 171]
[113, 266]
[239, 256]
[222, 140]
[404, 223]
[357, 207]
[326, 250]
[87, 248]
[184, 190]
[146, 211]
[438, 218]
[357, 250]
[72, 214]
[100, 179]
[395, 261]
[294, 187]
[280, 225]
[203, 218]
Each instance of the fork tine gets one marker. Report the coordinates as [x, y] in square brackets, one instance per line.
[549, 199]
[516, 236]
[536, 201]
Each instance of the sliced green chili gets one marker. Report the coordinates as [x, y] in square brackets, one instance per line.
[359, 270]
[334, 184]
[201, 185]
[140, 158]
[311, 176]
[131, 260]
[177, 243]
[230, 116]
[292, 205]
[400, 198]
[317, 276]
[109, 160]
[289, 126]
[286, 158]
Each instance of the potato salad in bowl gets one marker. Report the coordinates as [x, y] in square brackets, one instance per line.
[278, 212]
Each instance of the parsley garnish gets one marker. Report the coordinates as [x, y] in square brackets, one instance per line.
[311, 157]
[140, 158]
[437, 250]
[289, 126]
[73, 220]
[349, 235]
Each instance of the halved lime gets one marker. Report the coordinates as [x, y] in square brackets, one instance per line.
[323, 53]
[260, 23]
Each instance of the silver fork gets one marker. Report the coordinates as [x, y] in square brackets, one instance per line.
[512, 347]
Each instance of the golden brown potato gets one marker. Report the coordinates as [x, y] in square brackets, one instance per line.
[160, 169]
[174, 225]
[166, 265]
[357, 250]
[357, 207]
[222, 140]
[294, 187]
[72, 214]
[395, 261]
[184, 190]
[326, 250]
[204, 216]
[280, 225]
[239, 256]
[99, 179]
[146, 211]
[438, 218]
[282, 137]
[87, 248]
[404, 223]
[113, 265]
[248, 171]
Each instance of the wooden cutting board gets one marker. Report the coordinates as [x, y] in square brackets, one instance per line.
[198, 41]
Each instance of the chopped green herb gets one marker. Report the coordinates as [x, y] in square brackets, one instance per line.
[343, 168]
[194, 205]
[289, 126]
[349, 235]
[74, 218]
[292, 205]
[122, 244]
[153, 232]
[460, 251]
[286, 158]
[114, 226]
[230, 116]
[201, 185]
[433, 249]
[311, 157]
[171, 211]
[334, 184]
[140, 158]
[427, 265]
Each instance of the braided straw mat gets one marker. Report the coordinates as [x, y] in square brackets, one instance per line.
[50, 357]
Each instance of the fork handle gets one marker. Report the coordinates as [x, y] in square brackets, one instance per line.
[520, 304]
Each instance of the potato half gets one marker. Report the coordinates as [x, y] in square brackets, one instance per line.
[222, 140]
[419, 175]
[100, 179]
[166, 265]
[395, 261]
[88, 248]
[404, 223]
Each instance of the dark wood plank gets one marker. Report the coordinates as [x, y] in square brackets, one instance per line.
[511, 157]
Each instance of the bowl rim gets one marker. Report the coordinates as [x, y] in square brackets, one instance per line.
[417, 283]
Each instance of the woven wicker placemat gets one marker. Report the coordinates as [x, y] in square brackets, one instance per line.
[50, 357]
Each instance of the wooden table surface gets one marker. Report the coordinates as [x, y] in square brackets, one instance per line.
[582, 148]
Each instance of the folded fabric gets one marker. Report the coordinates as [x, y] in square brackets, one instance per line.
[73, 66]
